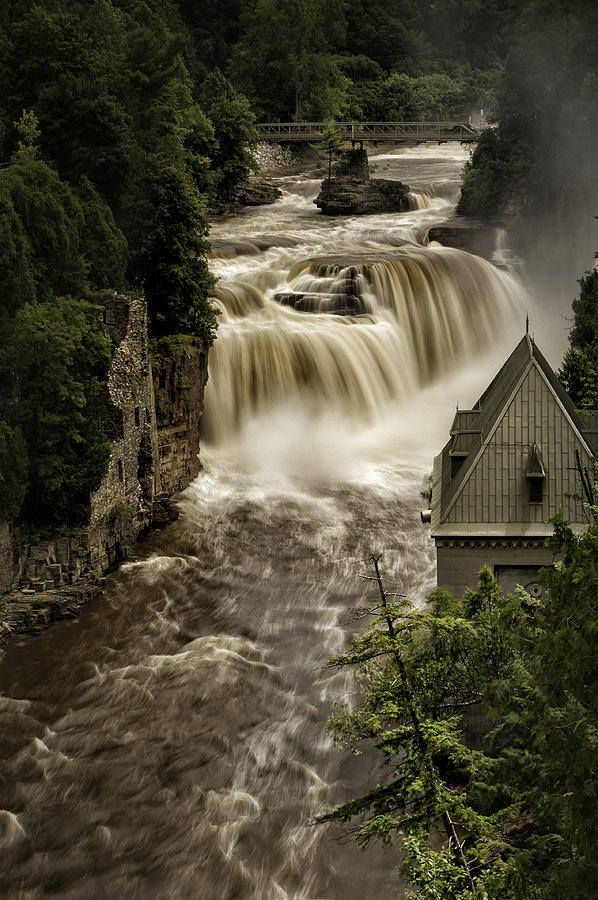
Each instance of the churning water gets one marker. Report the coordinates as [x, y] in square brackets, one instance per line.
[171, 743]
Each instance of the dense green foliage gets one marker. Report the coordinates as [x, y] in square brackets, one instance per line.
[105, 92]
[234, 132]
[108, 149]
[57, 241]
[385, 60]
[286, 58]
[516, 779]
[579, 372]
[172, 261]
[59, 360]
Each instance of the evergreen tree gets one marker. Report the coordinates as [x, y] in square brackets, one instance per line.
[103, 244]
[419, 674]
[59, 361]
[548, 726]
[286, 62]
[234, 132]
[517, 778]
[13, 471]
[579, 372]
[331, 144]
[172, 267]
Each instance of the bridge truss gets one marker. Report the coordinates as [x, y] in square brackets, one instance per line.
[358, 132]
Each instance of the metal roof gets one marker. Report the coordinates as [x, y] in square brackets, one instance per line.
[472, 429]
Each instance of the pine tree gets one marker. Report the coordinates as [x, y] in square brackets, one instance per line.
[419, 673]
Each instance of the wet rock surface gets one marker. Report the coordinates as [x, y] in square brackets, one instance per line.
[313, 302]
[338, 290]
[466, 234]
[30, 610]
[350, 196]
[254, 192]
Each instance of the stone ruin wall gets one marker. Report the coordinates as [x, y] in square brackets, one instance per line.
[121, 508]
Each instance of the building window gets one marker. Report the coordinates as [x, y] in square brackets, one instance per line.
[536, 490]
[137, 417]
[536, 473]
[121, 470]
[456, 463]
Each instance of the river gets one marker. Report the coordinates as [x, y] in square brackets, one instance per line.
[171, 743]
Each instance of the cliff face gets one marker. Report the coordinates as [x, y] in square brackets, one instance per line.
[179, 383]
[153, 421]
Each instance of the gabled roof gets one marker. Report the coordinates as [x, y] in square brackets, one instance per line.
[535, 466]
[472, 429]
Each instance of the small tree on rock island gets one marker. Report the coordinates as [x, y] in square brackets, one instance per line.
[332, 144]
[418, 673]
[29, 134]
[172, 267]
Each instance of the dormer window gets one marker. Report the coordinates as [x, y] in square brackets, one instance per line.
[456, 463]
[535, 474]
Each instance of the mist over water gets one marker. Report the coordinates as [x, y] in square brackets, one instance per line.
[172, 742]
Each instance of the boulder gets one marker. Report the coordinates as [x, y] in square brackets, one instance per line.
[350, 196]
[338, 304]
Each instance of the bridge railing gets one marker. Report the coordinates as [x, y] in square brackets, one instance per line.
[369, 131]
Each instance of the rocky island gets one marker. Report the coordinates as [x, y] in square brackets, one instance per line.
[351, 190]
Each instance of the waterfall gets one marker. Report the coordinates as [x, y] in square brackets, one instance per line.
[420, 199]
[353, 333]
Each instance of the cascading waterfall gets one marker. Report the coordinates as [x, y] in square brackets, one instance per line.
[420, 199]
[419, 312]
[172, 741]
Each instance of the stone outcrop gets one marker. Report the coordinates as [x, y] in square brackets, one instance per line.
[256, 191]
[351, 191]
[466, 234]
[179, 383]
[344, 296]
[335, 304]
[23, 613]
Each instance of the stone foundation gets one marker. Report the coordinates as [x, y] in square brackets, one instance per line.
[459, 562]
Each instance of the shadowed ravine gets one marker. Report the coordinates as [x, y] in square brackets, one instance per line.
[172, 743]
